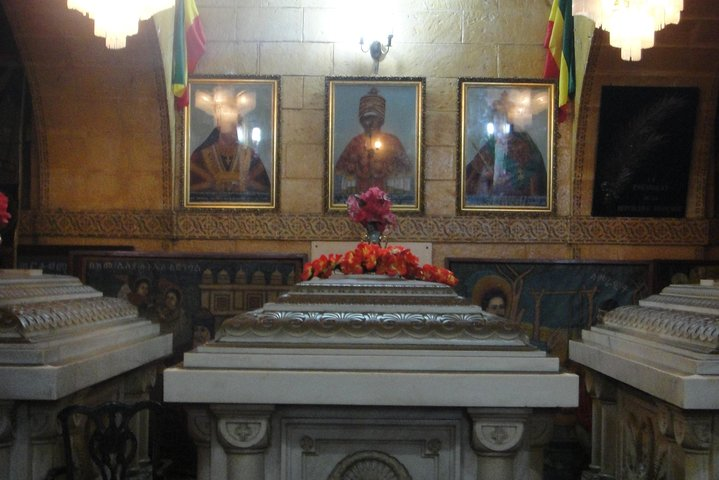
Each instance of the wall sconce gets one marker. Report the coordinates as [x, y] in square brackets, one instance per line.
[377, 51]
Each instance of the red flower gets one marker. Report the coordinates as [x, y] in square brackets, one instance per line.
[351, 262]
[321, 267]
[4, 214]
[308, 271]
[370, 257]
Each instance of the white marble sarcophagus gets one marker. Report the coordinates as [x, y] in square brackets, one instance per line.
[653, 374]
[63, 342]
[369, 375]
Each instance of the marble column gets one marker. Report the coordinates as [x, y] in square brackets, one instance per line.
[604, 422]
[693, 432]
[136, 388]
[244, 432]
[540, 429]
[497, 434]
[43, 439]
[199, 426]
[7, 437]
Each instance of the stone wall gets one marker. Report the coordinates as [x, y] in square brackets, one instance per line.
[108, 147]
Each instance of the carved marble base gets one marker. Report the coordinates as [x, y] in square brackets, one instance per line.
[653, 373]
[374, 377]
[252, 442]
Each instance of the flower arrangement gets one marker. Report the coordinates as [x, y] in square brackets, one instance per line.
[4, 214]
[372, 209]
[373, 258]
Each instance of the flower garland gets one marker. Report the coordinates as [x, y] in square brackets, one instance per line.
[373, 258]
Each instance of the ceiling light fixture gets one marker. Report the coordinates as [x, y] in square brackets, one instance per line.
[118, 19]
[631, 23]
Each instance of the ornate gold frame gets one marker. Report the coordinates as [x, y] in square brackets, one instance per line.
[202, 127]
[404, 100]
[498, 115]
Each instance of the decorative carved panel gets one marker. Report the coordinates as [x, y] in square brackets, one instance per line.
[644, 450]
[266, 226]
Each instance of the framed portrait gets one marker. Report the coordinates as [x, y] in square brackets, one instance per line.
[231, 142]
[374, 139]
[506, 145]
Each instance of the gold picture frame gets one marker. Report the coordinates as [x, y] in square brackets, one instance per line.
[388, 154]
[231, 143]
[506, 145]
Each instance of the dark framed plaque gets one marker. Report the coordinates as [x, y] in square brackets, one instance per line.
[644, 151]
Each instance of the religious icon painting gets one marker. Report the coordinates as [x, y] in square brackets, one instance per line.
[231, 143]
[374, 139]
[506, 145]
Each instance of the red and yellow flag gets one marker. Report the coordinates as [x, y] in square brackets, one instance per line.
[188, 47]
[559, 43]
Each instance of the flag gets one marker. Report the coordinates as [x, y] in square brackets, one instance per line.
[559, 42]
[188, 47]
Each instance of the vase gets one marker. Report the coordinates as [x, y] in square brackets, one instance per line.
[373, 235]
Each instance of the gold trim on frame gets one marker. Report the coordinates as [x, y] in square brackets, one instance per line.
[400, 100]
[222, 107]
[517, 114]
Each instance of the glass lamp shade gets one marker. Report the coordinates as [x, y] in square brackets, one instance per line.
[631, 23]
[118, 19]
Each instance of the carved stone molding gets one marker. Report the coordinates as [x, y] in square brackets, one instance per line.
[497, 431]
[199, 425]
[693, 432]
[243, 429]
[369, 465]
[43, 423]
[111, 224]
[307, 444]
[432, 447]
[643, 456]
[600, 387]
[214, 225]
[665, 420]
[693, 331]
[644, 231]
[356, 325]
[582, 151]
[539, 429]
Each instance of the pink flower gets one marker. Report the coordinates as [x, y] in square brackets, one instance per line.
[4, 214]
[372, 207]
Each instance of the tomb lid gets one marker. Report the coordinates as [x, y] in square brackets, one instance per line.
[676, 330]
[50, 319]
[58, 336]
[681, 316]
[372, 310]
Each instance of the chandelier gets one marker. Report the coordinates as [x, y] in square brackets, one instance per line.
[631, 23]
[118, 19]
